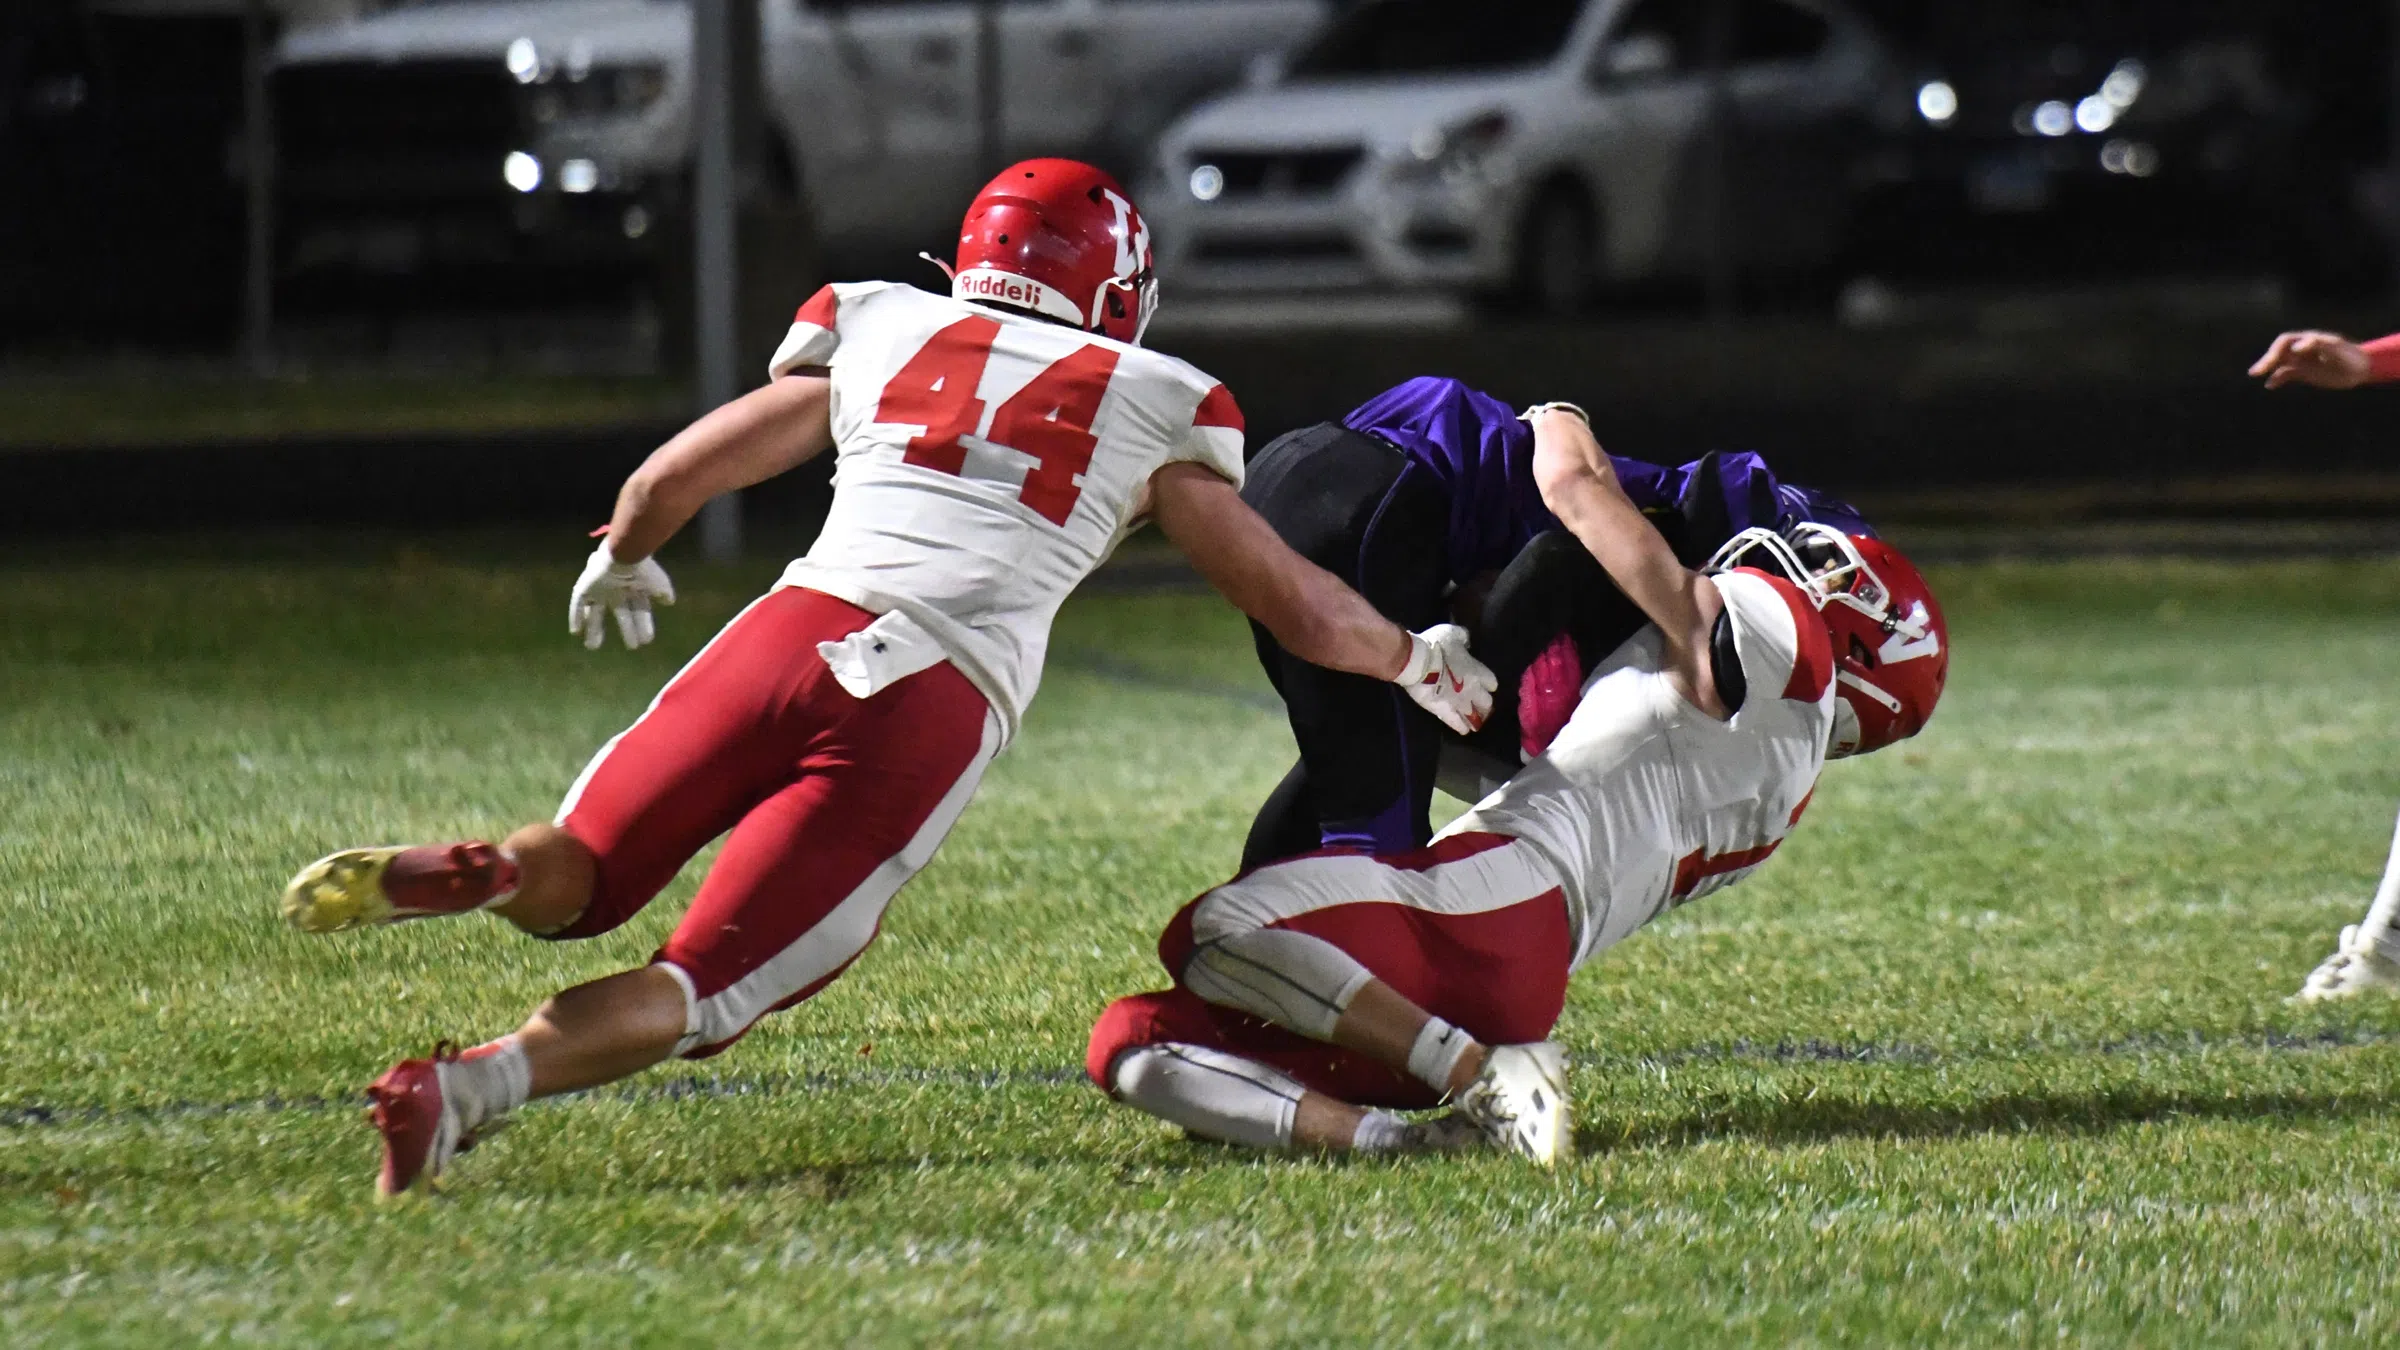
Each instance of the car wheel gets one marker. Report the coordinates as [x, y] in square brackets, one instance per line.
[1558, 248]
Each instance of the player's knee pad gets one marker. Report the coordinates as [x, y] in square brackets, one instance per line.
[1291, 979]
[1145, 1019]
[1126, 1025]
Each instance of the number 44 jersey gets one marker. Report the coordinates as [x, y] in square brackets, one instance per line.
[986, 462]
[1644, 802]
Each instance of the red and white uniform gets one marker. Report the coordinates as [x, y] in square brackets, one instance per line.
[1642, 803]
[987, 463]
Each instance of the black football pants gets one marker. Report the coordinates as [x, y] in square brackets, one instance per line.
[1358, 508]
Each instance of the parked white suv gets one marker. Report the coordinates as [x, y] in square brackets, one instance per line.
[1548, 146]
[513, 135]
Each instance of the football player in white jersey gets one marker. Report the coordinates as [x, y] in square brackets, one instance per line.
[2366, 958]
[995, 445]
[1312, 994]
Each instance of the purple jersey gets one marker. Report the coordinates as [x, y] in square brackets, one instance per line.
[1482, 455]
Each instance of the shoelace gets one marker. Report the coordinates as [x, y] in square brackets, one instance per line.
[1483, 1103]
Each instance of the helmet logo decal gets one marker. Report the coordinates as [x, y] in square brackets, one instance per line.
[1905, 644]
[1132, 240]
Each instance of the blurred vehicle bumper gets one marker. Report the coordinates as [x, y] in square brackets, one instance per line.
[1267, 226]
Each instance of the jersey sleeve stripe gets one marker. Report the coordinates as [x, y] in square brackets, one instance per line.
[813, 336]
[1217, 409]
[1812, 650]
[820, 308]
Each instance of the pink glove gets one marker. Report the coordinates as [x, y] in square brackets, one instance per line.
[1547, 694]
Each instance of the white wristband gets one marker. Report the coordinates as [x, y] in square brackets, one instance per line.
[1538, 408]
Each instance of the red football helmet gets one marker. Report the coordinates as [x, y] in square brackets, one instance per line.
[1891, 649]
[1059, 238]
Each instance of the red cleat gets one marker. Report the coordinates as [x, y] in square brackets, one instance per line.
[359, 887]
[420, 1132]
[1547, 694]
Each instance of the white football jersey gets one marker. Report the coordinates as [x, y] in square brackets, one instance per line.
[987, 462]
[1643, 801]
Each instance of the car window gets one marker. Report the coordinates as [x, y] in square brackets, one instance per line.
[1670, 36]
[1771, 30]
[1410, 37]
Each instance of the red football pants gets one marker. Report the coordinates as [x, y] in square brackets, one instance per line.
[1479, 941]
[833, 802]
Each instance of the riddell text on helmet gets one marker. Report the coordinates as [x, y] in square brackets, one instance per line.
[987, 284]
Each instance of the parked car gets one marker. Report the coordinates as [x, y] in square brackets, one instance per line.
[2059, 142]
[1548, 147]
[492, 140]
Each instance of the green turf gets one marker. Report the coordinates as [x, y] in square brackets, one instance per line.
[142, 406]
[1993, 1051]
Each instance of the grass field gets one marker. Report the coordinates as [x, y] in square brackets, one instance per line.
[1993, 1051]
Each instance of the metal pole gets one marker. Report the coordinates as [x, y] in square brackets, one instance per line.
[258, 205]
[1719, 276]
[991, 146]
[2391, 153]
[715, 202]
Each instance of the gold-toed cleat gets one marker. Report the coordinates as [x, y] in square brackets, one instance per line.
[341, 891]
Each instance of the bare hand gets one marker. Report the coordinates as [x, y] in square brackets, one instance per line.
[2319, 359]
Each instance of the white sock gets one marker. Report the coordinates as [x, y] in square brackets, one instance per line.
[1213, 1094]
[502, 897]
[1379, 1132]
[1435, 1054]
[487, 1082]
[2377, 926]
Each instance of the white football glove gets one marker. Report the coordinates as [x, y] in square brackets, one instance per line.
[1446, 680]
[626, 590]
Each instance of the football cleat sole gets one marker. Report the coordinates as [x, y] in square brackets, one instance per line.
[341, 891]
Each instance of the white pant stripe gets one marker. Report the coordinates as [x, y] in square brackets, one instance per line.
[1494, 879]
[844, 931]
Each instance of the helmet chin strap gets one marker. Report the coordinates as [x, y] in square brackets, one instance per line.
[1873, 691]
[947, 270]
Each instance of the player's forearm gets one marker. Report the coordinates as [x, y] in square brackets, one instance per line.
[1309, 611]
[1325, 623]
[757, 436]
[649, 512]
[1580, 486]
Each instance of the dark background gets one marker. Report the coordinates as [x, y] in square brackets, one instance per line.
[2101, 342]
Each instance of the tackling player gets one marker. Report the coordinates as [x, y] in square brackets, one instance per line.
[994, 446]
[1311, 993]
[1424, 498]
[2367, 957]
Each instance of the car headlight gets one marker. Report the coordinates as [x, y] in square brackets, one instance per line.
[1457, 150]
[1937, 102]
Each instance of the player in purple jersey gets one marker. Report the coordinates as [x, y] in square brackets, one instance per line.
[1423, 499]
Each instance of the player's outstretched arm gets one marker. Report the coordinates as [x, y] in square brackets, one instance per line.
[1579, 485]
[2315, 358]
[755, 437]
[1308, 609]
[750, 440]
